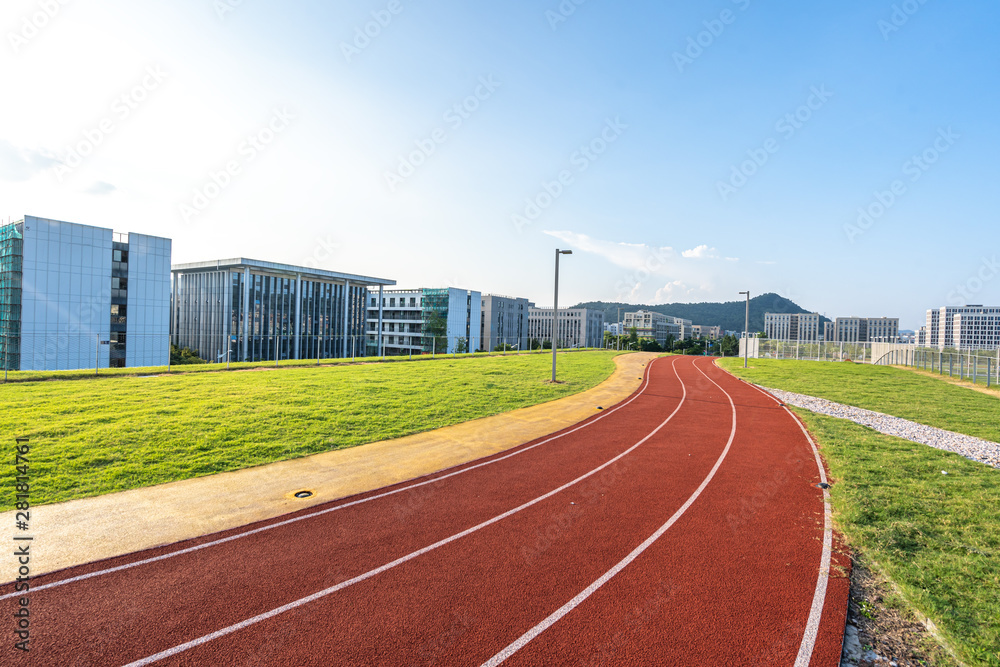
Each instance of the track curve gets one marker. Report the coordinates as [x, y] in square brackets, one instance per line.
[683, 526]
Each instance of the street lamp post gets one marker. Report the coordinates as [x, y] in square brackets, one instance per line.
[555, 312]
[746, 332]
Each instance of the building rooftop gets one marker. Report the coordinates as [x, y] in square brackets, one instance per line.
[275, 267]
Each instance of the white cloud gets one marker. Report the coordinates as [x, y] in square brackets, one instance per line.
[100, 188]
[701, 252]
[19, 164]
[625, 255]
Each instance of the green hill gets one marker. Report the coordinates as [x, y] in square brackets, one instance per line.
[728, 315]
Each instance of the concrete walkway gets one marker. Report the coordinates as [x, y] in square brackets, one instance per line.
[90, 529]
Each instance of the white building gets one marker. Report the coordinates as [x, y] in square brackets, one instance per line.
[650, 324]
[578, 327]
[792, 326]
[615, 328]
[865, 330]
[971, 327]
[703, 331]
[420, 321]
[74, 296]
[504, 322]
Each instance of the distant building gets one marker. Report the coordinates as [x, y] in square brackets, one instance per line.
[425, 321]
[504, 321]
[248, 310]
[829, 332]
[921, 337]
[971, 327]
[578, 327]
[648, 324]
[679, 327]
[802, 327]
[74, 296]
[703, 331]
[616, 329]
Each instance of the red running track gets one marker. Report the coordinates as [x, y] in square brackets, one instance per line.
[684, 526]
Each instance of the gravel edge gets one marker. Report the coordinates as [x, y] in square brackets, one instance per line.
[983, 451]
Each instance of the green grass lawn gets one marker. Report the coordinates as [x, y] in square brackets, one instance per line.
[935, 536]
[96, 436]
[893, 391]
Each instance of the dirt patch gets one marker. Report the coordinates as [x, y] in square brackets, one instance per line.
[879, 634]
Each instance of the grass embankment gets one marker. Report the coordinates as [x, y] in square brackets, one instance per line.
[93, 437]
[935, 536]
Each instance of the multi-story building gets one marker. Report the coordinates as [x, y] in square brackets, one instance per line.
[802, 327]
[970, 327]
[679, 328]
[882, 329]
[578, 327]
[504, 322]
[248, 310]
[420, 321]
[829, 332]
[616, 328]
[75, 296]
[703, 331]
[649, 324]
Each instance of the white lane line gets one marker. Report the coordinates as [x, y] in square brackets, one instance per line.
[523, 640]
[311, 515]
[808, 644]
[399, 561]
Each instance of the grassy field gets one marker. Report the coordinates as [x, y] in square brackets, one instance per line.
[115, 433]
[935, 536]
[893, 391]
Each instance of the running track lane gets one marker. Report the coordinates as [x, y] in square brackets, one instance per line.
[731, 582]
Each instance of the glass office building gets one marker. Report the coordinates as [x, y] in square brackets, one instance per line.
[249, 310]
[75, 296]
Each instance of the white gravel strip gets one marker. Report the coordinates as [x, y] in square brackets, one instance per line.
[983, 451]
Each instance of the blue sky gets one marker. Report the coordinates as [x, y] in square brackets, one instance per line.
[683, 152]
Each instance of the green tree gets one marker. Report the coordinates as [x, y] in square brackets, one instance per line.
[184, 356]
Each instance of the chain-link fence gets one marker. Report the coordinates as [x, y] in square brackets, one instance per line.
[974, 365]
[28, 355]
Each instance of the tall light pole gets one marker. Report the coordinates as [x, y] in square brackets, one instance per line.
[746, 332]
[555, 313]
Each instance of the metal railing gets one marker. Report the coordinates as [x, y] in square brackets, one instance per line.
[975, 366]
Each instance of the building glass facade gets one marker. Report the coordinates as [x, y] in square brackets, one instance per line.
[246, 310]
